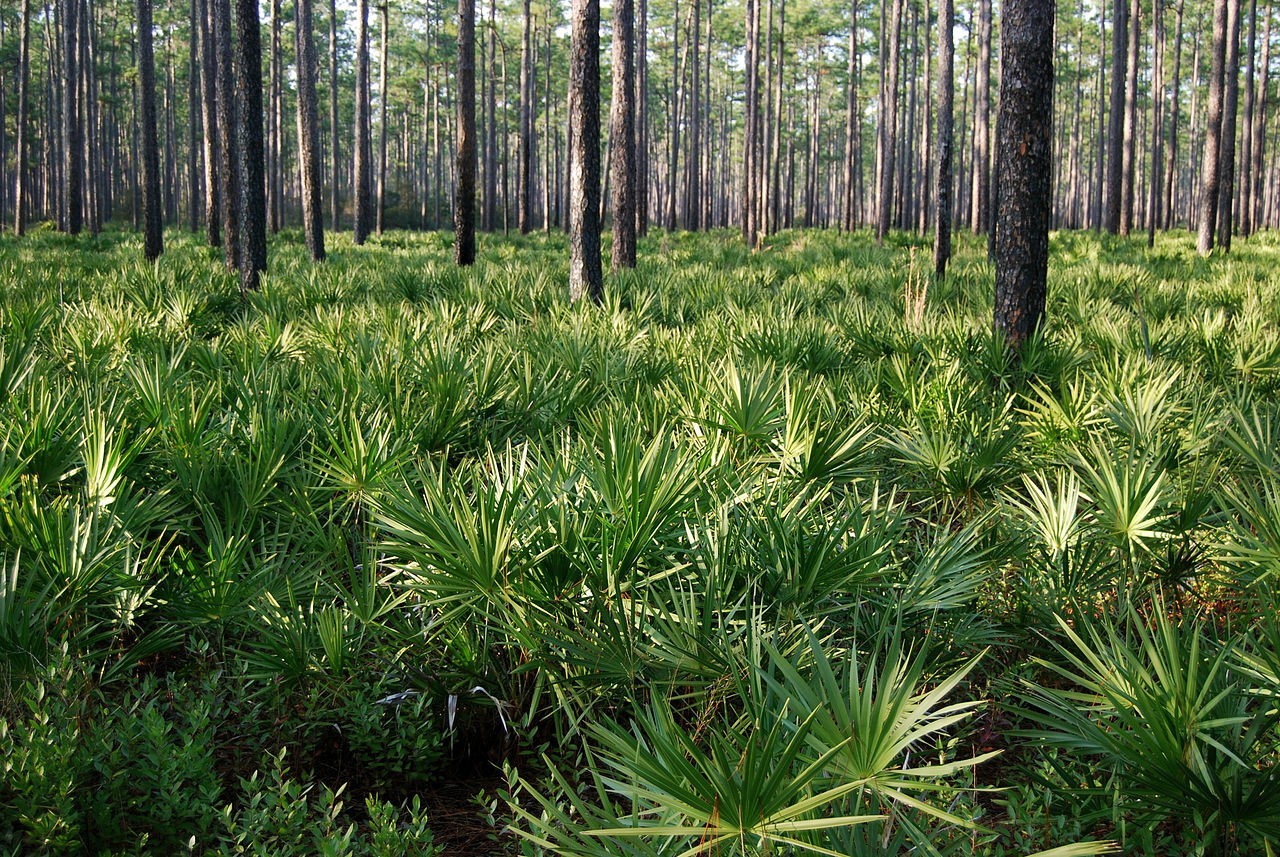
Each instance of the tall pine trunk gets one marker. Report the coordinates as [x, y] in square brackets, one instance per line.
[524, 177]
[464, 209]
[24, 82]
[1115, 118]
[946, 105]
[309, 131]
[890, 122]
[622, 133]
[253, 203]
[586, 275]
[335, 201]
[228, 137]
[1129, 163]
[1230, 109]
[1213, 134]
[153, 240]
[382, 125]
[209, 117]
[980, 196]
[1023, 163]
[72, 132]
[362, 145]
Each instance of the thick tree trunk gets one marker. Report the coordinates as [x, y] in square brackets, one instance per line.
[153, 240]
[1230, 109]
[253, 203]
[1213, 134]
[586, 276]
[362, 144]
[1115, 118]
[24, 82]
[464, 209]
[524, 178]
[1023, 158]
[946, 102]
[622, 135]
[309, 131]
[228, 141]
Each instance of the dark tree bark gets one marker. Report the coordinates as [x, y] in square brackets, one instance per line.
[193, 121]
[586, 275]
[228, 137]
[362, 145]
[622, 133]
[153, 240]
[253, 203]
[1128, 159]
[464, 209]
[72, 131]
[946, 103]
[1023, 159]
[1115, 118]
[309, 131]
[524, 177]
[890, 122]
[24, 82]
[1230, 109]
[1213, 134]
[642, 121]
[382, 126]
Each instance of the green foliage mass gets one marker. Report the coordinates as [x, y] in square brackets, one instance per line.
[755, 557]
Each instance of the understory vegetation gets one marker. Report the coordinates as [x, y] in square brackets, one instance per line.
[775, 552]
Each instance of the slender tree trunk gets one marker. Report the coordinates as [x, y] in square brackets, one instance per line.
[751, 124]
[1256, 192]
[642, 121]
[382, 126]
[1175, 107]
[24, 82]
[693, 164]
[586, 276]
[253, 203]
[1157, 120]
[771, 193]
[524, 179]
[464, 209]
[1025, 149]
[853, 125]
[228, 137]
[309, 131]
[1128, 160]
[1230, 107]
[72, 134]
[622, 135]
[980, 197]
[1213, 133]
[362, 145]
[194, 68]
[153, 240]
[274, 129]
[1115, 118]
[890, 118]
[1246, 162]
[335, 207]
[490, 130]
[946, 102]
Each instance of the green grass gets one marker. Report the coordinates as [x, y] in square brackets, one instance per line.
[749, 559]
